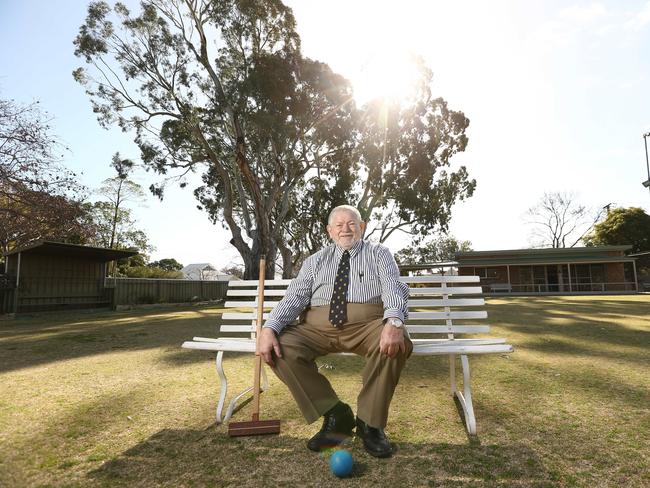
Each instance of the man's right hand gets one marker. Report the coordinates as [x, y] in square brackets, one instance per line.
[268, 344]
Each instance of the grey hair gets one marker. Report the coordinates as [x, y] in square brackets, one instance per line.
[348, 208]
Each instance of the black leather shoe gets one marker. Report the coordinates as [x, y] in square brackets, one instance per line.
[338, 423]
[374, 440]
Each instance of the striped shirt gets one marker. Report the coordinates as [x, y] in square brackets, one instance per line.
[374, 278]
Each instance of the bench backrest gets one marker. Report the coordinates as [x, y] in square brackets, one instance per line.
[436, 305]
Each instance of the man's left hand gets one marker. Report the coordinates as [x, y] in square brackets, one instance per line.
[391, 341]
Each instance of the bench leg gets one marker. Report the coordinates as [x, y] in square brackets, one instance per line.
[223, 385]
[465, 398]
[223, 390]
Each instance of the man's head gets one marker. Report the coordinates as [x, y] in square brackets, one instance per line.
[345, 226]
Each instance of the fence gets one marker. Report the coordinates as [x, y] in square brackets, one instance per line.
[564, 289]
[44, 294]
[130, 291]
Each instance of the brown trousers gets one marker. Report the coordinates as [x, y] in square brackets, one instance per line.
[314, 336]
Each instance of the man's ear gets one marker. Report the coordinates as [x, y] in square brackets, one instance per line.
[363, 227]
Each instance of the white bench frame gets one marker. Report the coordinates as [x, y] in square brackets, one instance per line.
[420, 297]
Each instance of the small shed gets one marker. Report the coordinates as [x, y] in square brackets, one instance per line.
[48, 275]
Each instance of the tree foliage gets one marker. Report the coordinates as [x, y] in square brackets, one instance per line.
[118, 191]
[117, 229]
[233, 270]
[220, 87]
[440, 249]
[404, 147]
[29, 155]
[624, 226]
[39, 197]
[167, 264]
[149, 271]
[559, 221]
[32, 215]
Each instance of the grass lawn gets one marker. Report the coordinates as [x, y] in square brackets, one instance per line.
[110, 399]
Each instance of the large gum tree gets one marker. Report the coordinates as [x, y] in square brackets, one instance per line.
[221, 88]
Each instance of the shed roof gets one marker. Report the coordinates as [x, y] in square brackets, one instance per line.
[63, 249]
[601, 254]
[424, 266]
[198, 267]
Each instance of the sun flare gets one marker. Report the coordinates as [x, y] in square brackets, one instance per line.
[389, 73]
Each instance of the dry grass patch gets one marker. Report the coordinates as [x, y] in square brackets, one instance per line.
[110, 399]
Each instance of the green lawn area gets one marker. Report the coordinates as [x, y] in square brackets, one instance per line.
[110, 399]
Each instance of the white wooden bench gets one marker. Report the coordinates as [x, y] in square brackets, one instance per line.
[433, 311]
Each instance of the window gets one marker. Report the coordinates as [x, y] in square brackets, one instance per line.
[486, 272]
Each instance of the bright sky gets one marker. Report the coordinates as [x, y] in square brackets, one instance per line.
[556, 92]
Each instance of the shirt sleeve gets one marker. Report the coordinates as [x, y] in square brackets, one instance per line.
[296, 299]
[394, 293]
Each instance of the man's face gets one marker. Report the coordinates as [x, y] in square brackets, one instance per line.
[345, 229]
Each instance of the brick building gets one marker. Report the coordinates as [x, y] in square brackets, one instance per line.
[604, 269]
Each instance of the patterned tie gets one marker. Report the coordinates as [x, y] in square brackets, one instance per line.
[338, 303]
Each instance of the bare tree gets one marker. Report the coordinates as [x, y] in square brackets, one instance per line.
[29, 157]
[39, 197]
[559, 221]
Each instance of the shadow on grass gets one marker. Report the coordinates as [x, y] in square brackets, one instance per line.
[27, 342]
[211, 458]
[608, 328]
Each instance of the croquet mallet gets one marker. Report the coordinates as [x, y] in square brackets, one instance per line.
[256, 426]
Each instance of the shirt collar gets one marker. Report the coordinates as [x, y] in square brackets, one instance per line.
[354, 250]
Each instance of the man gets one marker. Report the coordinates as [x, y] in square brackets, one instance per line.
[349, 299]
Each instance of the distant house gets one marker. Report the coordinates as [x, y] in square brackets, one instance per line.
[604, 269]
[204, 272]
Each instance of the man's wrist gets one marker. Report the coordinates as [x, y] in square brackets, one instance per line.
[273, 329]
[395, 322]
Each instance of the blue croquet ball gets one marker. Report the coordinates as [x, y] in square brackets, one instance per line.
[341, 463]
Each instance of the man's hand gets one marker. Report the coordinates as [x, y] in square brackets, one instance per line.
[268, 344]
[391, 341]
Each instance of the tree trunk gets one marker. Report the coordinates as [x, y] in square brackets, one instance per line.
[252, 266]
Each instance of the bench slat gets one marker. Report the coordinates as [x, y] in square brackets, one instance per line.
[253, 293]
[444, 329]
[449, 342]
[418, 342]
[221, 339]
[403, 279]
[235, 304]
[439, 302]
[244, 283]
[440, 279]
[477, 314]
[460, 349]
[241, 316]
[413, 329]
[221, 345]
[438, 290]
[428, 349]
[447, 302]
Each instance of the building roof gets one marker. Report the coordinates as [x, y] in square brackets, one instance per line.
[62, 249]
[198, 267]
[578, 255]
[425, 266]
[205, 271]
